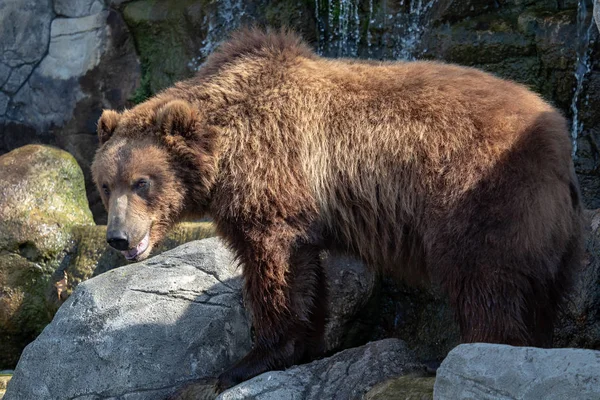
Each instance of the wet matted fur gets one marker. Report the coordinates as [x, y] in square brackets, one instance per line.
[421, 169]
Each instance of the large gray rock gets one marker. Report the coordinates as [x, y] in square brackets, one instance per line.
[77, 8]
[498, 372]
[346, 375]
[136, 331]
[45, 58]
[140, 331]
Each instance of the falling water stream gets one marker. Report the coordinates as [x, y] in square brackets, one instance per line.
[346, 30]
[415, 23]
[585, 27]
[226, 19]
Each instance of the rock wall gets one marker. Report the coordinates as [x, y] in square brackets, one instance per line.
[63, 61]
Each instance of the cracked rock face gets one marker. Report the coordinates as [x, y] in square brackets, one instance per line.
[61, 41]
[140, 331]
[346, 375]
[500, 372]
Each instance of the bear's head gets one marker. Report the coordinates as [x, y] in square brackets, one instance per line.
[156, 164]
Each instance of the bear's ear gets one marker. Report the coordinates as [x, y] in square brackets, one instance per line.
[106, 125]
[177, 117]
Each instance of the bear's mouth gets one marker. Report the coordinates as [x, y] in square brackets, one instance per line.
[142, 246]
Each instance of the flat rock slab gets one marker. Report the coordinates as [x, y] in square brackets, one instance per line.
[138, 331]
[346, 375]
[486, 371]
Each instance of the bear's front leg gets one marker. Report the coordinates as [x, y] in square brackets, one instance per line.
[285, 288]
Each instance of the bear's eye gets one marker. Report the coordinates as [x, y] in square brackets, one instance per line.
[106, 190]
[142, 184]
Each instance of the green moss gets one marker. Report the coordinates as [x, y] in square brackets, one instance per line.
[166, 38]
[4, 379]
[26, 304]
[409, 387]
[287, 13]
[43, 188]
[144, 91]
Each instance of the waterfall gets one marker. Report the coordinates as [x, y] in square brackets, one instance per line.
[585, 27]
[339, 32]
[415, 27]
[346, 28]
[225, 18]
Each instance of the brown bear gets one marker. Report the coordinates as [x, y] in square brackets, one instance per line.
[420, 168]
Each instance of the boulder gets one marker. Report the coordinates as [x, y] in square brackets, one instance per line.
[142, 330]
[136, 331]
[498, 372]
[42, 197]
[41, 200]
[346, 375]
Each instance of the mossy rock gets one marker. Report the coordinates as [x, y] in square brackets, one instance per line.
[4, 378]
[168, 35]
[26, 306]
[408, 387]
[42, 197]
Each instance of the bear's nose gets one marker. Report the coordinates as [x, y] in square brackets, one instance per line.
[117, 240]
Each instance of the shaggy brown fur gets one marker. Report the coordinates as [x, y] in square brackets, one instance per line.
[418, 167]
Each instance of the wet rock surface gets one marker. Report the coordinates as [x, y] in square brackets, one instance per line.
[597, 12]
[579, 323]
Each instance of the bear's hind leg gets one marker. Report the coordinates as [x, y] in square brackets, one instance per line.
[492, 306]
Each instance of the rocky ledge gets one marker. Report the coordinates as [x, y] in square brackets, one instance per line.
[145, 330]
